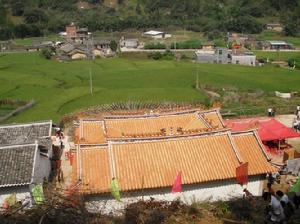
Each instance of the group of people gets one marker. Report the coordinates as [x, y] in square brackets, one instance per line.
[280, 207]
[296, 121]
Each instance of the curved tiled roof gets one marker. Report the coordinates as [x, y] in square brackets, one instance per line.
[17, 164]
[155, 163]
[98, 132]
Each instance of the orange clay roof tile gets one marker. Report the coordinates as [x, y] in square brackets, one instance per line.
[251, 152]
[92, 132]
[115, 127]
[95, 170]
[154, 164]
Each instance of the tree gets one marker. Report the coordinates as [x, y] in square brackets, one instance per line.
[47, 53]
[113, 45]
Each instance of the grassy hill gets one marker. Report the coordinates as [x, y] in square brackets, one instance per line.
[60, 88]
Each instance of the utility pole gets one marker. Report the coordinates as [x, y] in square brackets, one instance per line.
[197, 78]
[91, 82]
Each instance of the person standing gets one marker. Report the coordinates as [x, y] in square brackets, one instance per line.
[270, 112]
[275, 212]
[287, 206]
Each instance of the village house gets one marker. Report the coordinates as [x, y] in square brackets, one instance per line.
[243, 57]
[277, 27]
[156, 34]
[128, 43]
[77, 35]
[26, 153]
[226, 56]
[208, 46]
[144, 153]
[275, 45]
[237, 39]
[214, 56]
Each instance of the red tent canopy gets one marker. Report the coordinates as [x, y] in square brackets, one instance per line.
[269, 129]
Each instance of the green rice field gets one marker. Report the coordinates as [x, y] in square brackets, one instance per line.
[60, 88]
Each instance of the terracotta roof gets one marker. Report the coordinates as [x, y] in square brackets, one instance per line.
[252, 151]
[93, 168]
[147, 125]
[91, 132]
[155, 164]
[213, 118]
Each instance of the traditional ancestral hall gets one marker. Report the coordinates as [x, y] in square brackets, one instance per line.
[145, 153]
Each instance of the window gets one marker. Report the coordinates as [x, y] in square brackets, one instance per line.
[237, 62]
[220, 52]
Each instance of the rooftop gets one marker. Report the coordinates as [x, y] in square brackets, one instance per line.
[17, 164]
[153, 32]
[143, 164]
[148, 126]
[17, 134]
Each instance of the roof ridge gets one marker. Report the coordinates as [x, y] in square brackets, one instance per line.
[26, 124]
[18, 145]
[235, 148]
[171, 137]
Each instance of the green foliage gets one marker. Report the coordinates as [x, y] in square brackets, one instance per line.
[294, 62]
[60, 88]
[167, 55]
[222, 209]
[155, 46]
[209, 16]
[113, 45]
[189, 44]
[47, 53]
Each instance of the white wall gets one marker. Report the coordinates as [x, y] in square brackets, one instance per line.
[244, 59]
[213, 191]
[42, 168]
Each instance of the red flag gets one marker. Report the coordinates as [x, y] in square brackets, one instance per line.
[177, 184]
[242, 174]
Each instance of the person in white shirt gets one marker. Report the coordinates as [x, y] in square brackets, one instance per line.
[275, 212]
[287, 205]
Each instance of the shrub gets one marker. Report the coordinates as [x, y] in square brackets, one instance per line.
[293, 62]
[47, 53]
[155, 46]
[155, 55]
[189, 44]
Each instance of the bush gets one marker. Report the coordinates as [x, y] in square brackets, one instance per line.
[293, 62]
[155, 55]
[168, 55]
[155, 46]
[47, 53]
[113, 45]
[189, 44]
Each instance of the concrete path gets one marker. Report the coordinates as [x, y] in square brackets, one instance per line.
[287, 120]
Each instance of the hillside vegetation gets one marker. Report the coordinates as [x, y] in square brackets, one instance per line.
[23, 18]
[60, 88]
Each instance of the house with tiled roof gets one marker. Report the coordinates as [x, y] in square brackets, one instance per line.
[146, 168]
[25, 152]
[151, 125]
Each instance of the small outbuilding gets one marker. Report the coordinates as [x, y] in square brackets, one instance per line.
[157, 34]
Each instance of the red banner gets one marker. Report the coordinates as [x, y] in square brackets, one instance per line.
[242, 174]
[177, 184]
